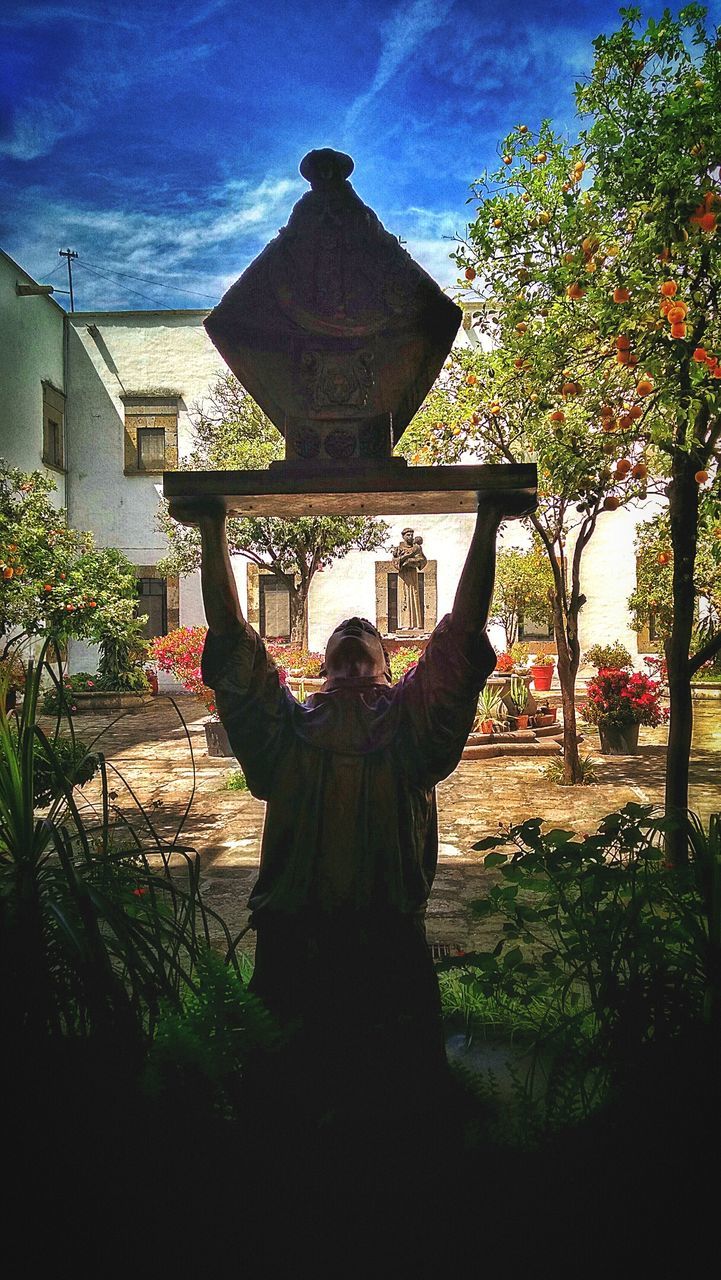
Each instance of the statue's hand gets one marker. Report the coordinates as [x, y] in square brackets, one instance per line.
[508, 505]
[194, 511]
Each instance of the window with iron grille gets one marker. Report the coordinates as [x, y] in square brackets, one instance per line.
[53, 427]
[151, 448]
[153, 601]
[274, 607]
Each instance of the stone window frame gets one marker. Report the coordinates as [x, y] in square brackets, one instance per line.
[172, 592]
[150, 409]
[253, 587]
[53, 412]
[430, 587]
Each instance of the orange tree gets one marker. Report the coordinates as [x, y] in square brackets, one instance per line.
[54, 581]
[598, 265]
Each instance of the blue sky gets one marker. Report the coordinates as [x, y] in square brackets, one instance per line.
[162, 143]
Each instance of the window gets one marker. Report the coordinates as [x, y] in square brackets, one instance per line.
[153, 601]
[151, 434]
[53, 427]
[151, 448]
[274, 607]
[530, 628]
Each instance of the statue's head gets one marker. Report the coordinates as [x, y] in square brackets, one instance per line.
[355, 649]
[407, 534]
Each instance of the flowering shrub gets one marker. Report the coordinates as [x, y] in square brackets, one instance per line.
[403, 660]
[292, 660]
[55, 700]
[179, 653]
[657, 667]
[623, 697]
[504, 663]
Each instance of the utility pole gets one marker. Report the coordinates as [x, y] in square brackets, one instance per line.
[69, 254]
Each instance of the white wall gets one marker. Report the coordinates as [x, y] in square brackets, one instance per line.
[109, 354]
[31, 350]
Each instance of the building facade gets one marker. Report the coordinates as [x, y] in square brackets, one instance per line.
[105, 401]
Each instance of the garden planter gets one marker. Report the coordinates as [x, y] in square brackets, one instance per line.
[217, 739]
[522, 722]
[107, 700]
[486, 726]
[542, 676]
[619, 740]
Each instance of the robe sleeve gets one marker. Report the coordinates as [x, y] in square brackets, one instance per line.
[439, 700]
[253, 704]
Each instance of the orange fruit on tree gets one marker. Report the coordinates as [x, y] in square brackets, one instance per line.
[625, 421]
[632, 359]
[557, 416]
[622, 343]
[575, 291]
[716, 371]
[521, 327]
[605, 411]
[621, 294]
[663, 557]
[623, 357]
[611, 503]
[470, 273]
[495, 408]
[640, 471]
[678, 330]
[699, 355]
[623, 466]
[497, 222]
[508, 159]
[608, 424]
[635, 412]
[471, 379]
[8, 573]
[523, 128]
[707, 221]
[701, 477]
[644, 387]
[677, 313]
[669, 288]
[570, 388]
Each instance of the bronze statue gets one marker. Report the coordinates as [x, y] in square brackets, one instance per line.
[350, 841]
[409, 559]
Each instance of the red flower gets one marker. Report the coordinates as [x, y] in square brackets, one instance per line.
[140, 892]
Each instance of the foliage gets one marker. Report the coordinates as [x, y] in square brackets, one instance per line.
[544, 660]
[554, 771]
[95, 939]
[518, 696]
[607, 955]
[295, 661]
[59, 697]
[617, 698]
[520, 654]
[205, 1046]
[615, 656]
[504, 663]
[490, 707]
[653, 595]
[235, 781]
[68, 756]
[523, 588]
[54, 581]
[123, 651]
[180, 652]
[403, 660]
[231, 433]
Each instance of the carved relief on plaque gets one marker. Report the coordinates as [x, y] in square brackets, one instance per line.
[306, 442]
[340, 444]
[338, 380]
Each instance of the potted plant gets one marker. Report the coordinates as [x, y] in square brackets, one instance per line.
[542, 671]
[504, 664]
[519, 656]
[517, 701]
[488, 715]
[609, 657]
[619, 702]
[179, 653]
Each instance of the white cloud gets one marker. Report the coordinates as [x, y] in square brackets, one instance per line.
[401, 34]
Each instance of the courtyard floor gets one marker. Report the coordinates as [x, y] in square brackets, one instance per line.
[151, 751]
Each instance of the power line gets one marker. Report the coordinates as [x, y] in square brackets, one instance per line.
[160, 283]
[69, 254]
[96, 272]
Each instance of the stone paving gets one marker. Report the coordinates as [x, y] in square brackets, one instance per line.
[149, 751]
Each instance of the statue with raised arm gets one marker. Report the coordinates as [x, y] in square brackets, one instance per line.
[409, 560]
[350, 841]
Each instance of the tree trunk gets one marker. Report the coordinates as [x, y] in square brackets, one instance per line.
[567, 672]
[298, 614]
[683, 515]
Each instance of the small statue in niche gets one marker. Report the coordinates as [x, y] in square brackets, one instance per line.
[409, 560]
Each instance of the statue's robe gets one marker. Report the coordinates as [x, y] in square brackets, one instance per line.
[350, 842]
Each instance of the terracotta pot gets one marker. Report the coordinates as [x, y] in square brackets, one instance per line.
[152, 680]
[619, 740]
[217, 739]
[486, 726]
[522, 722]
[542, 676]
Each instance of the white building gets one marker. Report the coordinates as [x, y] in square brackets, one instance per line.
[122, 386]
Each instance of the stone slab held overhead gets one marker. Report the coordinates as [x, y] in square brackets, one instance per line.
[370, 490]
[339, 336]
